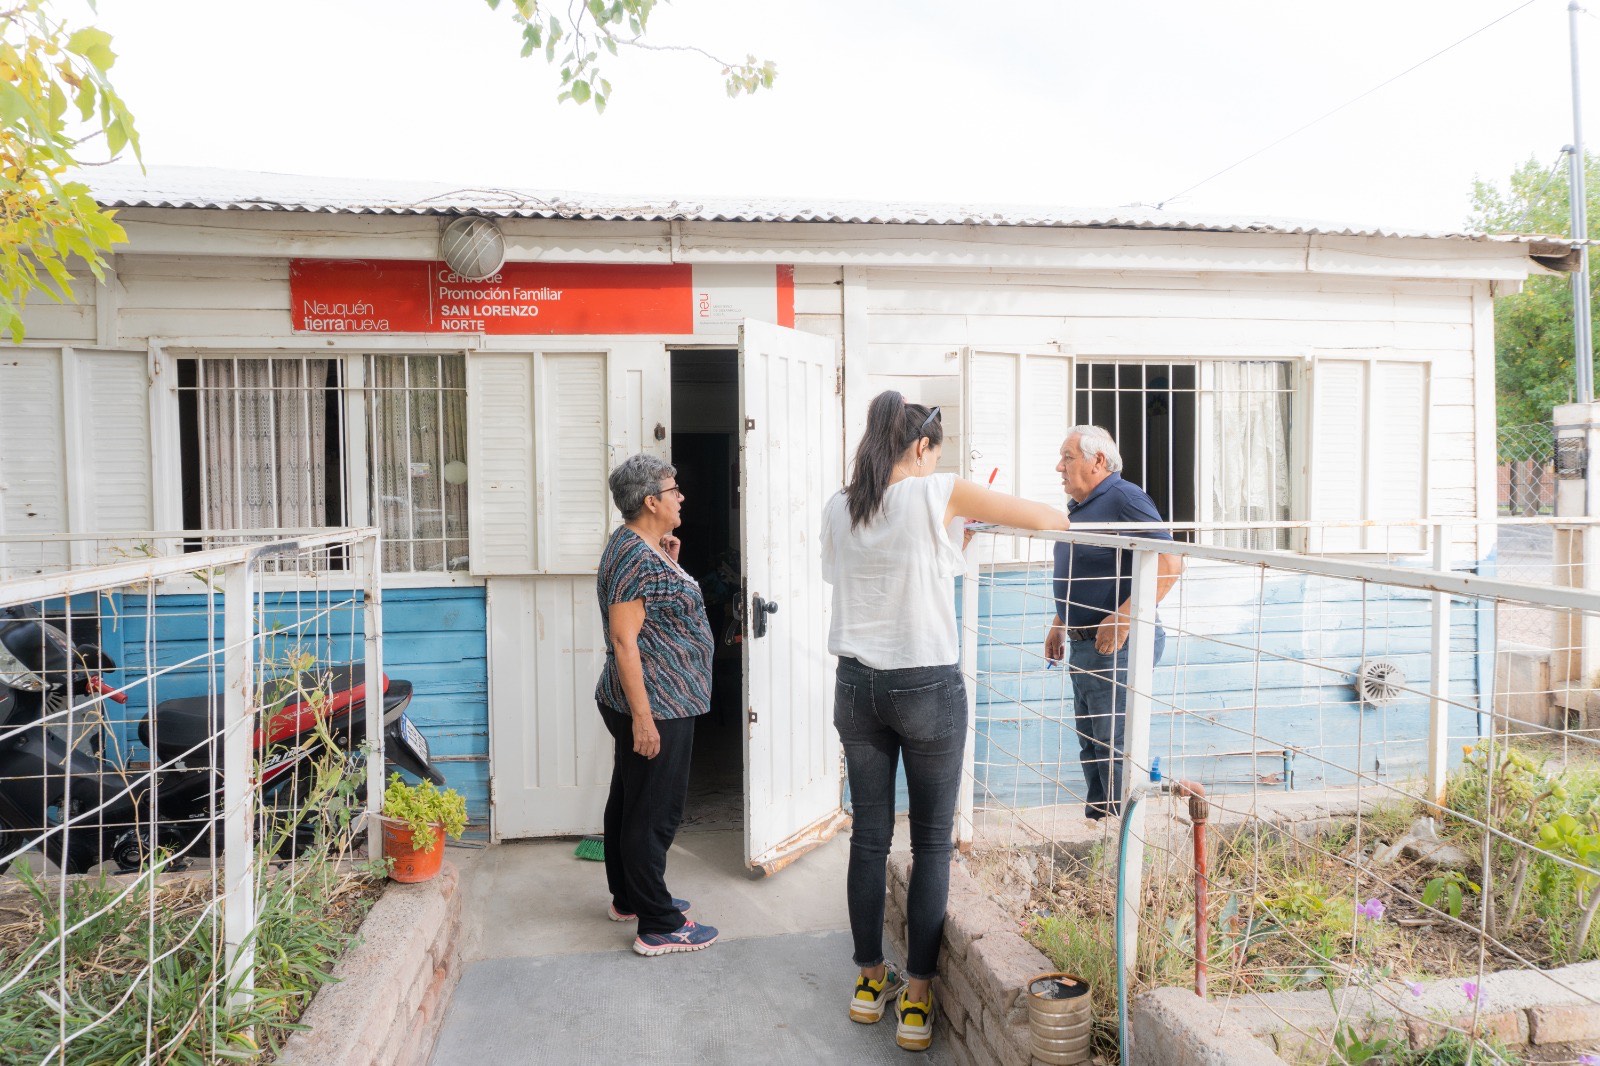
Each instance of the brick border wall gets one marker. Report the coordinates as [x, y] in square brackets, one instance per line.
[392, 986]
[984, 965]
[1520, 1007]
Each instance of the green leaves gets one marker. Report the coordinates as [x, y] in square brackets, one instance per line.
[596, 24]
[56, 103]
[1533, 328]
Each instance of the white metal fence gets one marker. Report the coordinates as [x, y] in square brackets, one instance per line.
[1399, 803]
[199, 802]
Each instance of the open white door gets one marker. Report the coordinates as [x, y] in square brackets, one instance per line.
[791, 424]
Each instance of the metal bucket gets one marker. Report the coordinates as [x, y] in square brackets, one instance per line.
[1059, 1018]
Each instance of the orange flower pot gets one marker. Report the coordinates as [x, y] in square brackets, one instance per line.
[409, 864]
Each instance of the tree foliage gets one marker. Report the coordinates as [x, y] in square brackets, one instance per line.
[590, 25]
[56, 104]
[1533, 340]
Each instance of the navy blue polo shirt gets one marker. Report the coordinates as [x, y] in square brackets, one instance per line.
[1091, 581]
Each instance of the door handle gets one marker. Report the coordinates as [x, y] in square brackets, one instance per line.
[759, 609]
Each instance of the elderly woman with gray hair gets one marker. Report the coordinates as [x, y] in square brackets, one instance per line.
[656, 681]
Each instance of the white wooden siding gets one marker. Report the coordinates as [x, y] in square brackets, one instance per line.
[1100, 294]
[918, 321]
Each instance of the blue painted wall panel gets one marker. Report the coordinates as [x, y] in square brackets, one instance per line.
[433, 637]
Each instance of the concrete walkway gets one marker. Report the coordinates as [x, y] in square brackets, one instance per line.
[547, 978]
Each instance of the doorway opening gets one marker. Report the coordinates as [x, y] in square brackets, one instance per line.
[705, 450]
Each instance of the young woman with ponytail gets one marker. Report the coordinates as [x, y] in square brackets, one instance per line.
[886, 550]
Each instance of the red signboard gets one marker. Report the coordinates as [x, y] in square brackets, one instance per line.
[406, 296]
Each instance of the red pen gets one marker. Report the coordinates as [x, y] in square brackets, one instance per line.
[993, 474]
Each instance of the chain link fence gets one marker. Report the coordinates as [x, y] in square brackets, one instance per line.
[1526, 478]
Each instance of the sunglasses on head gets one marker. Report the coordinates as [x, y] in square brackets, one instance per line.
[933, 416]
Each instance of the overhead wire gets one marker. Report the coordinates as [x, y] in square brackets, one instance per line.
[1353, 100]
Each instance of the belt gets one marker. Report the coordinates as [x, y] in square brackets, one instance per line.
[1083, 633]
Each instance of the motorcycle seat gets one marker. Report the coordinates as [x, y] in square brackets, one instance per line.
[186, 723]
[183, 726]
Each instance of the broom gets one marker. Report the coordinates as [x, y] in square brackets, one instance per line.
[592, 848]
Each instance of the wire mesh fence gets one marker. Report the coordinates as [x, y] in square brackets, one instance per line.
[1525, 476]
[184, 744]
[1316, 787]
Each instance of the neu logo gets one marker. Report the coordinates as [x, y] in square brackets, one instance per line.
[705, 305]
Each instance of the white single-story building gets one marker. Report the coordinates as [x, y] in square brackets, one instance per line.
[277, 352]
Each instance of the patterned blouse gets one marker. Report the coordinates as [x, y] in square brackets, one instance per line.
[675, 643]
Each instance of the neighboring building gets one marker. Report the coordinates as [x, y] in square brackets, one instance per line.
[279, 352]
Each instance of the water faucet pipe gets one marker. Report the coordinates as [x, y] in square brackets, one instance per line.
[1199, 813]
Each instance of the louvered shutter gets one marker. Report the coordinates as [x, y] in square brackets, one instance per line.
[502, 515]
[33, 458]
[1016, 408]
[1338, 451]
[1368, 452]
[576, 499]
[1398, 454]
[111, 420]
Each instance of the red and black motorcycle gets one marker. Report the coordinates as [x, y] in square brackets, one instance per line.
[49, 779]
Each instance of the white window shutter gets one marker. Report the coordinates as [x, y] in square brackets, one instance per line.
[502, 515]
[1046, 406]
[576, 498]
[33, 458]
[1338, 452]
[110, 417]
[1016, 407]
[1398, 454]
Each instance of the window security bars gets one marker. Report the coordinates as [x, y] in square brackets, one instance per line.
[1328, 709]
[1208, 440]
[286, 443]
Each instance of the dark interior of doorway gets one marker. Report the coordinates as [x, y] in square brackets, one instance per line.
[705, 449]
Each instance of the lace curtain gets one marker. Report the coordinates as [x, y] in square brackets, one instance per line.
[263, 432]
[417, 419]
[1251, 449]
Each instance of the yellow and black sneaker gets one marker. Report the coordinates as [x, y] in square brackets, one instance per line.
[871, 997]
[915, 1032]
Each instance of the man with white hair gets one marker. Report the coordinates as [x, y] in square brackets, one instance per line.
[1093, 591]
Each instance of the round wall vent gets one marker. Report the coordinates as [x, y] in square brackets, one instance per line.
[1379, 681]
[473, 247]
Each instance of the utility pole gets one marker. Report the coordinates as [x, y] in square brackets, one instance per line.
[1583, 354]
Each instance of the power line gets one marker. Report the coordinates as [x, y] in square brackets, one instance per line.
[1347, 103]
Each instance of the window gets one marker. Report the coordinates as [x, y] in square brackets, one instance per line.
[1209, 441]
[267, 443]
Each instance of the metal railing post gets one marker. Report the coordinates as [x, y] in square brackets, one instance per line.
[1136, 739]
[369, 569]
[238, 778]
[969, 672]
[1439, 682]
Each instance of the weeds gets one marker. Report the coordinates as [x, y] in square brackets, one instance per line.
[134, 970]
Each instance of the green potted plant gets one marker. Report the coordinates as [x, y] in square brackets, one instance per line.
[416, 819]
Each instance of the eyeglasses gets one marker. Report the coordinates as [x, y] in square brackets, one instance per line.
[933, 416]
[664, 489]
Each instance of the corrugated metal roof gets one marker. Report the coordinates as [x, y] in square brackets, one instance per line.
[226, 190]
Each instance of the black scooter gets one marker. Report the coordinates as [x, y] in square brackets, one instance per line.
[46, 779]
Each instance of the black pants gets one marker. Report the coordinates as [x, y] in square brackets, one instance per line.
[642, 816]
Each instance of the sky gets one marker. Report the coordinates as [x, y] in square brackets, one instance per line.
[1068, 104]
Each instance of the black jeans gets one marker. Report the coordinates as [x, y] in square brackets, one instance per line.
[642, 816]
[881, 714]
[1100, 705]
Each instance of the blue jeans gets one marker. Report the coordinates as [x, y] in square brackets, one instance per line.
[920, 713]
[1100, 704]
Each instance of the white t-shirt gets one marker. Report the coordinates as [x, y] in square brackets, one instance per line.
[893, 578]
